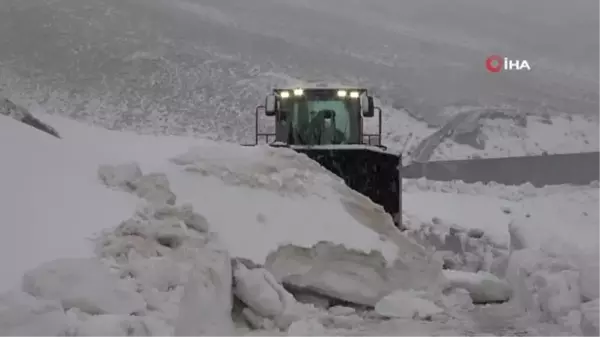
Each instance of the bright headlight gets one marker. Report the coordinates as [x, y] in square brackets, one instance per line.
[354, 94]
[284, 94]
[342, 93]
[298, 92]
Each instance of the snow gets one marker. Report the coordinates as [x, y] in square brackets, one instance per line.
[211, 176]
[206, 303]
[275, 187]
[284, 196]
[406, 304]
[506, 138]
[85, 284]
[51, 201]
[483, 287]
[112, 67]
[568, 214]
[203, 175]
[549, 236]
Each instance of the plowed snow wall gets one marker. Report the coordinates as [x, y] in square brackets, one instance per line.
[371, 173]
[572, 168]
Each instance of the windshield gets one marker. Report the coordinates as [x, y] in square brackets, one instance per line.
[322, 120]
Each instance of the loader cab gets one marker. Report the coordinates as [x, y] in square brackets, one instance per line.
[321, 116]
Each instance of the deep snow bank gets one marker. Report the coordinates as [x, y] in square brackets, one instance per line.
[258, 199]
[543, 242]
[162, 272]
[276, 192]
[50, 199]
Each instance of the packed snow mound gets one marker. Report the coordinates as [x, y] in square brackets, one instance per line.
[211, 176]
[391, 261]
[279, 170]
[153, 275]
[275, 187]
[182, 271]
[286, 196]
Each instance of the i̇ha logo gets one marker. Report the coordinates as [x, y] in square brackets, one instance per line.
[497, 63]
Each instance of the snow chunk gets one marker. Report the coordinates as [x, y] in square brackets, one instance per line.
[307, 327]
[155, 188]
[24, 315]
[352, 275]
[589, 319]
[544, 285]
[589, 269]
[454, 247]
[257, 289]
[206, 305]
[120, 176]
[482, 286]
[457, 298]
[85, 284]
[559, 293]
[406, 304]
[183, 274]
[113, 325]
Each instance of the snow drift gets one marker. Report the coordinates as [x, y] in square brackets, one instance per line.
[50, 200]
[542, 242]
[180, 244]
[185, 233]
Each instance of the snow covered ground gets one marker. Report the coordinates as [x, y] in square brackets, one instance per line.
[258, 201]
[552, 234]
[124, 65]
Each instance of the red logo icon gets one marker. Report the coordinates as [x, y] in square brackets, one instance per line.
[494, 63]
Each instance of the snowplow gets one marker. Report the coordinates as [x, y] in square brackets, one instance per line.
[327, 124]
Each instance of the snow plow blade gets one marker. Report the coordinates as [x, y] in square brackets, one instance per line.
[366, 169]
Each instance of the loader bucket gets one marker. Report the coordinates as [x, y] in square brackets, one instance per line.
[367, 170]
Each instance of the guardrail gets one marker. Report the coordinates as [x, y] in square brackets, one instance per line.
[572, 168]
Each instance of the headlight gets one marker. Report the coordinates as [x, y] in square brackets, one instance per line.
[284, 94]
[342, 93]
[298, 92]
[354, 94]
